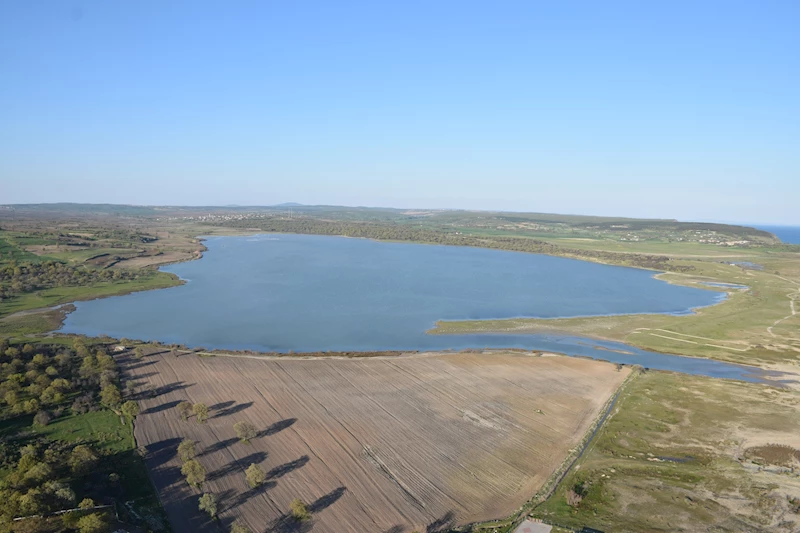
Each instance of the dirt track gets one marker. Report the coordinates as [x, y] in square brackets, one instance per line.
[372, 445]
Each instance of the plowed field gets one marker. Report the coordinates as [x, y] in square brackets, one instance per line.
[370, 444]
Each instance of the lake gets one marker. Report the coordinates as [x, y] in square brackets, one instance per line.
[317, 293]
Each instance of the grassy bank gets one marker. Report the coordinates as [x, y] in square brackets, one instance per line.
[147, 280]
[753, 326]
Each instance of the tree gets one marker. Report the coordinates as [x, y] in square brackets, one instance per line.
[11, 398]
[110, 396]
[42, 418]
[208, 503]
[201, 412]
[195, 472]
[82, 459]
[254, 475]
[238, 527]
[92, 523]
[130, 409]
[39, 472]
[86, 503]
[185, 409]
[186, 450]
[138, 353]
[245, 431]
[299, 510]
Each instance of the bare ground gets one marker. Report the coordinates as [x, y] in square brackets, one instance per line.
[389, 444]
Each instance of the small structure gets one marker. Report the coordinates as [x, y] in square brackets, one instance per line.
[533, 526]
[119, 348]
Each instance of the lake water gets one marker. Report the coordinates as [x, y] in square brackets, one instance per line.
[317, 293]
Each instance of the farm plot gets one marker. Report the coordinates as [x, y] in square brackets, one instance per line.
[369, 444]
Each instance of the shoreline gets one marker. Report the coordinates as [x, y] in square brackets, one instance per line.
[775, 376]
[202, 237]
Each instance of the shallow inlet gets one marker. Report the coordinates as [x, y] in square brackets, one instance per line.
[303, 293]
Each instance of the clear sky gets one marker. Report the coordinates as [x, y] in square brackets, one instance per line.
[675, 109]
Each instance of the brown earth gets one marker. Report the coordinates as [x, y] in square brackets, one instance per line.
[371, 445]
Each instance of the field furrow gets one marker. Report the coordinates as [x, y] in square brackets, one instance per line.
[369, 444]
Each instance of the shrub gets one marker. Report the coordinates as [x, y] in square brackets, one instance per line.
[92, 523]
[185, 409]
[299, 510]
[195, 472]
[200, 412]
[186, 450]
[254, 475]
[245, 431]
[82, 404]
[238, 527]
[208, 503]
[130, 409]
[42, 418]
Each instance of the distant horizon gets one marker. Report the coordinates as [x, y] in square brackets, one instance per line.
[290, 204]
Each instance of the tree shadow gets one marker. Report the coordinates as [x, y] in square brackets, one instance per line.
[277, 427]
[443, 524]
[250, 493]
[162, 451]
[395, 529]
[219, 445]
[162, 407]
[139, 365]
[326, 501]
[172, 387]
[288, 524]
[282, 470]
[237, 465]
[233, 410]
[144, 376]
[221, 405]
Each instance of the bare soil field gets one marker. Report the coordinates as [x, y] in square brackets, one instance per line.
[371, 445]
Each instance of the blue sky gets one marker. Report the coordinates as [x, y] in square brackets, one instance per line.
[685, 110]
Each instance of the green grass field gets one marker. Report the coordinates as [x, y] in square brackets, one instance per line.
[104, 428]
[9, 251]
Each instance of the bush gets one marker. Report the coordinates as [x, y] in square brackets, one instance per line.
[208, 503]
[238, 527]
[42, 418]
[200, 412]
[254, 475]
[185, 410]
[186, 450]
[245, 431]
[92, 523]
[195, 472]
[299, 510]
[83, 404]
